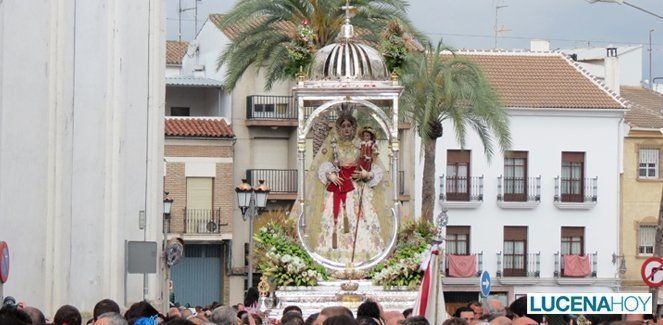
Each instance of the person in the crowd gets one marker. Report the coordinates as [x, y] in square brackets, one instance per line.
[368, 321]
[10, 315]
[340, 320]
[140, 310]
[519, 310]
[450, 321]
[179, 321]
[67, 315]
[477, 308]
[329, 312]
[104, 306]
[174, 312]
[292, 308]
[292, 317]
[110, 318]
[465, 313]
[492, 308]
[251, 299]
[311, 319]
[392, 317]
[36, 315]
[224, 315]
[416, 320]
[500, 320]
[407, 313]
[369, 309]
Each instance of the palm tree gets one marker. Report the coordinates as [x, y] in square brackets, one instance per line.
[274, 34]
[441, 87]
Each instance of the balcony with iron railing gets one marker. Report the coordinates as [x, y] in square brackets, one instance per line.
[575, 193]
[283, 182]
[575, 269]
[272, 110]
[518, 268]
[518, 192]
[461, 192]
[199, 221]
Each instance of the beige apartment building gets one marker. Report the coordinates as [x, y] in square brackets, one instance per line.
[641, 184]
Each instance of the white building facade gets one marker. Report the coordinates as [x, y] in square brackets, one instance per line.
[81, 147]
[554, 193]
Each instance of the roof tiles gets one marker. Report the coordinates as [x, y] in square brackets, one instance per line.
[542, 80]
[646, 107]
[175, 51]
[198, 127]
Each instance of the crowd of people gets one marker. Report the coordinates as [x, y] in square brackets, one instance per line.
[108, 312]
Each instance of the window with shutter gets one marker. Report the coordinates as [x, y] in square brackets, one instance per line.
[458, 240]
[515, 251]
[646, 239]
[515, 176]
[573, 173]
[198, 203]
[458, 175]
[572, 240]
[648, 163]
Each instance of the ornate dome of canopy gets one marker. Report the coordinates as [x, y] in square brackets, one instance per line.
[347, 60]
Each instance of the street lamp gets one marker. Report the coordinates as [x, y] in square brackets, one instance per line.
[167, 205]
[251, 202]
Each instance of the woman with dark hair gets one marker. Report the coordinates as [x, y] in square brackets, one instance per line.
[251, 298]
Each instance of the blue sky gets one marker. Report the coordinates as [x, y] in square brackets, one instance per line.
[469, 23]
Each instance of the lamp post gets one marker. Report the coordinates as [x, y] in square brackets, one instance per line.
[167, 205]
[251, 202]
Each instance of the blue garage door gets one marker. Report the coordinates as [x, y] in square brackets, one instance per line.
[197, 279]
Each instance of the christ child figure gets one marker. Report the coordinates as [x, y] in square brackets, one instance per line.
[367, 149]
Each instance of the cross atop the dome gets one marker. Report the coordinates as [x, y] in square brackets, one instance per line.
[347, 9]
[347, 31]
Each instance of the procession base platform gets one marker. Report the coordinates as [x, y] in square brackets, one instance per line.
[328, 293]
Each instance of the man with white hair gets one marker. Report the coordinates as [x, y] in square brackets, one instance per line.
[224, 315]
[110, 319]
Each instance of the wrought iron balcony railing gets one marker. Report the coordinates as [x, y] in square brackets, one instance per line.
[278, 180]
[576, 189]
[519, 189]
[456, 188]
[203, 221]
[591, 263]
[478, 266]
[519, 265]
[267, 107]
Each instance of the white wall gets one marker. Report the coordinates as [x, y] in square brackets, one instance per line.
[81, 140]
[630, 62]
[544, 134]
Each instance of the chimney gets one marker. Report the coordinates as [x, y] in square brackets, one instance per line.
[539, 45]
[611, 65]
[199, 71]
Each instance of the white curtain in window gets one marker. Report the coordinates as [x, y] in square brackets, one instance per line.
[649, 156]
[647, 235]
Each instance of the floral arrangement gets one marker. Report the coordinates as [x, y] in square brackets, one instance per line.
[393, 46]
[281, 259]
[401, 268]
[300, 49]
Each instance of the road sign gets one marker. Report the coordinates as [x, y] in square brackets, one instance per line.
[652, 271]
[142, 257]
[484, 283]
[4, 262]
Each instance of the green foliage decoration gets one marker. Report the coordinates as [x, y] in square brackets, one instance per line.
[401, 268]
[282, 260]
